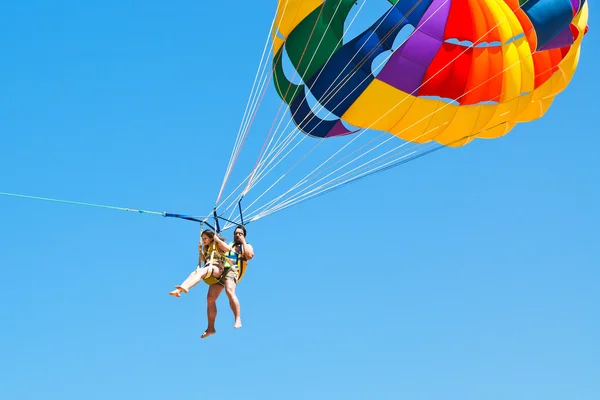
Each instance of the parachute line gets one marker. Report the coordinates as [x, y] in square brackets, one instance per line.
[296, 131]
[355, 69]
[269, 138]
[79, 203]
[287, 140]
[305, 194]
[271, 157]
[304, 180]
[252, 99]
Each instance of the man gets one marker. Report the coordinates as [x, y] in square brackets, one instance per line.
[240, 252]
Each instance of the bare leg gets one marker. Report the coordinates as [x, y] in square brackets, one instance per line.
[234, 303]
[211, 308]
[194, 278]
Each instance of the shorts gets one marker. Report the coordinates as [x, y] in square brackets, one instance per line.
[230, 274]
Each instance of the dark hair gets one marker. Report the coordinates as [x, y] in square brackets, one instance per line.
[211, 235]
[208, 233]
[242, 227]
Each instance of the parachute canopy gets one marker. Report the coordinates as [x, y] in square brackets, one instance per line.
[435, 73]
[468, 68]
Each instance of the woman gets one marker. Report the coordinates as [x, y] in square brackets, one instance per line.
[212, 254]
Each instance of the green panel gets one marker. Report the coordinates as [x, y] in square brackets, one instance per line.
[325, 28]
[282, 84]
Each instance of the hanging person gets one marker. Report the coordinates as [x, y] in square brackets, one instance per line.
[224, 266]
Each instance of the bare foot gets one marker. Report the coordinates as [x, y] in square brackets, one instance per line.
[238, 324]
[181, 289]
[176, 293]
[207, 333]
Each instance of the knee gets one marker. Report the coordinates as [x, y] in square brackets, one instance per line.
[230, 292]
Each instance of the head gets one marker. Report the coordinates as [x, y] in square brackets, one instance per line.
[207, 237]
[240, 231]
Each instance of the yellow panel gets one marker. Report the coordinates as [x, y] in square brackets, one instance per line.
[514, 78]
[546, 103]
[532, 112]
[383, 107]
[527, 70]
[569, 64]
[581, 19]
[462, 142]
[416, 121]
[496, 131]
[527, 67]
[440, 121]
[379, 107]
[511, 18]
[290, 13]
[277, 43]
[460, 127]
[487, 112]
[504, 112]
[524, 102]
[490, 29]
[559, 82]
[511, 78]
[502, 21]
[544, 91]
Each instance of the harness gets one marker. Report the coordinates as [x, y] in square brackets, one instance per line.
[212, 254]
[237, 259]
[231, 259]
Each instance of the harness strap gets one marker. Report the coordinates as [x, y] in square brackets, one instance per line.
[240, 261]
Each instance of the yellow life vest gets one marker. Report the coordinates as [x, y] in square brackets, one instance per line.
[213, 254]
[237, 259]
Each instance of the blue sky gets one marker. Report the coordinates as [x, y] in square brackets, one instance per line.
[471, 273]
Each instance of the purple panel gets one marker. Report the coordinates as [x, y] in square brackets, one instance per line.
[402, 74]
[575, 4]
[338, 130]
[563, 39]
[420, 48]
[434, 21]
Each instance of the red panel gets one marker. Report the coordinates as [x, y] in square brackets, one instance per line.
[448, 73]
[546, 64]
[460, 22]
[485, 82]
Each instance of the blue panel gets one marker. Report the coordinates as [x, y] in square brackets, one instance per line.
[306, 120]
[340, 82]
[415, 10]
[390, 24]
[549, 18]
[345, 76]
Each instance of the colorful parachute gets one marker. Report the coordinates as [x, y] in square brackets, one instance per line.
[469, 68]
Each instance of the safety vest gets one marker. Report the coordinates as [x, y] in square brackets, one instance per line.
[237, 259]
[211, 252]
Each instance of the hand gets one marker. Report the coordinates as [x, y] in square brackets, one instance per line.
[239, 237]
